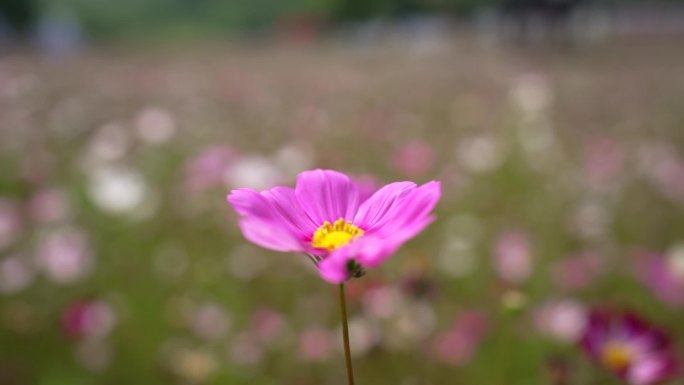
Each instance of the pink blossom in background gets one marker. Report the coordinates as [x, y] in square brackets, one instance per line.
[246, 349]
[208, 168]
[316, 345]
[664, 168]
[562, 320]
[16, 274]
[629, 347]
[603, 159]
[88, 319]
[382, 302]
[576, 272]
[324, 217]
[513, 257]
[267, 324]
[49, 205]
[458, 345]
[666, 284]
[367, 185]
[210, 321]
[10, 222]
[65, 256]
[357, 292]
[414, 159]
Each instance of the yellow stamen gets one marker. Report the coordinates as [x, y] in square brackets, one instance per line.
[330, 236]
[617, 355]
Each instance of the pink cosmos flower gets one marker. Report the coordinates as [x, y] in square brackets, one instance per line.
[653, 271]
[513, 257]
[458, 344]
[65, 256]
[576, 272]
[208, 168]
[10, 222]
[315, 344]
[324, 217]
[629, 347]
[562, 320]
[88, 319]
[414, 158]
[603, 159]
[267, 324]
[49, 205]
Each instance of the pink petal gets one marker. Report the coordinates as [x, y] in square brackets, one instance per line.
[372, 251]
[335, 267]
[334, 270]
[410, 213]
[392, 216]
[284, 201]
[327, 195]
[368, 251]
[651, 370]
[595, 333]
[268, 221]
[373, 212]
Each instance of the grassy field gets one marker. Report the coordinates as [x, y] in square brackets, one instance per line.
[121, 263]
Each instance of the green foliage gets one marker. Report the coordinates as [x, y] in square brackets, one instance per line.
[131, 18]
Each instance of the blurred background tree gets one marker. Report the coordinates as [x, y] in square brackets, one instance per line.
[19, 15]
[139, 19]
[136, 19]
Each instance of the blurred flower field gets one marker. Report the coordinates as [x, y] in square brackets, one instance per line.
[562, 191]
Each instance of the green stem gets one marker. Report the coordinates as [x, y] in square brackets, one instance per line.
[345, 336]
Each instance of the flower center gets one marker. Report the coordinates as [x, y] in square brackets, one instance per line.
[617, 355]
[330, 236]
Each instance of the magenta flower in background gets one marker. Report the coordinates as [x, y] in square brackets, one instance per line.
[666, 284]
[88, 319]
[324, 217]
[629, 347]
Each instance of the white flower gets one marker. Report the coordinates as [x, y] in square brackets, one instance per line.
[254, 172]
[155, 126]
[117, 190]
